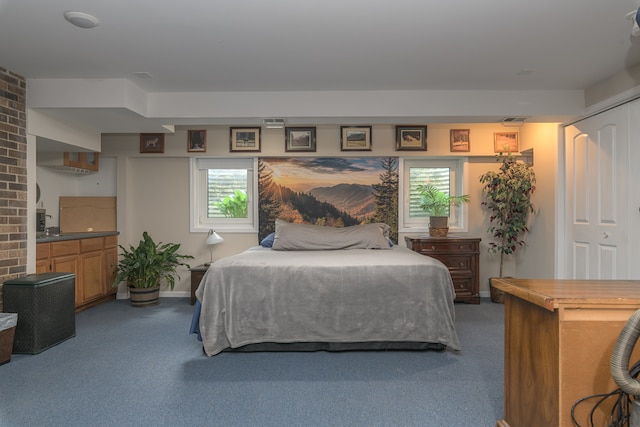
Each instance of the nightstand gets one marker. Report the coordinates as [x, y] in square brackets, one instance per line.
[461, 255]
[197, 273]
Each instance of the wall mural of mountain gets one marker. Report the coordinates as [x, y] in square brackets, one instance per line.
[338, 192]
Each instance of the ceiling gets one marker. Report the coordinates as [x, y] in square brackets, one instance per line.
[196, 46]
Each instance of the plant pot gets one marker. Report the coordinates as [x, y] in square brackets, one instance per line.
[497, 295]
[144, 297]
[438, 226]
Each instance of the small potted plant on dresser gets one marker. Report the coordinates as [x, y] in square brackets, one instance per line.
[145, 266]
[436, 203]
[508, 198]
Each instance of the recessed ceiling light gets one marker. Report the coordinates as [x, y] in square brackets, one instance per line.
[81, 20]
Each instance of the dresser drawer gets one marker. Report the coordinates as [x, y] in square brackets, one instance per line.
[455, 263]
[448, 247]
[463, 285]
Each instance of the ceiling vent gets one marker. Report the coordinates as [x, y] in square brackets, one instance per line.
[274, 123]
[513, 121]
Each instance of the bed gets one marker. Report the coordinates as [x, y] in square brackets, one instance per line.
[321, 292]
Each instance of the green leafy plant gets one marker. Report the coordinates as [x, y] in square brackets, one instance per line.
[148, 263]
[508, 197]
[436, 202]
[235, 205]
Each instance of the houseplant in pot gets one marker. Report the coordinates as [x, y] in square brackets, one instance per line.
[508, 198]
[436, 203]
[145, 266]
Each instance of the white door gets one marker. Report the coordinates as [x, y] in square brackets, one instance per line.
[597, 158]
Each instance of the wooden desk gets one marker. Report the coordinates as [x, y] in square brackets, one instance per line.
[197, 273]
[559, 335]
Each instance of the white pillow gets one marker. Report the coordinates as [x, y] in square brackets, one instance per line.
[306, 237]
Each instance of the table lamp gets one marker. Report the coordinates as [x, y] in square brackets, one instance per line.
[213, 239]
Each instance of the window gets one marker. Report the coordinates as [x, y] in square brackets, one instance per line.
[446, 174]
[223, 194]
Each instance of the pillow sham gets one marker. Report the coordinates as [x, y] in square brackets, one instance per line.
[306, 237]
[267, 242]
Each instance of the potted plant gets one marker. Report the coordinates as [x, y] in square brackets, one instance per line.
[508, 198]
[436, 203]
[145, 266]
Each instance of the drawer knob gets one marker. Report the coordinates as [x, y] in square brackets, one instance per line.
[461, 264]
[461, 247]
[433, 247]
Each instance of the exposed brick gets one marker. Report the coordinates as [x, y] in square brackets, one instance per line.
[13, 176]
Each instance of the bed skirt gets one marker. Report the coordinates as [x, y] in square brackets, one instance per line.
[319, 346]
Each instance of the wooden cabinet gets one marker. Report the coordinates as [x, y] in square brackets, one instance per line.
[42, 258]
[92, 264]
[81, 160]
[111, 263]
[558, 339]
[461, 255]
[92, 260]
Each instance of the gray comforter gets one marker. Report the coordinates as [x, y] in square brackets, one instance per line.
[356, 295]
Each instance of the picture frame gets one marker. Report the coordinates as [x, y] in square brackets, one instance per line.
[355, 138]
[505, 142]
[300, 139]
[411, 138]
[459, 140]
[197, 140]
[152, 143]
[244, 139]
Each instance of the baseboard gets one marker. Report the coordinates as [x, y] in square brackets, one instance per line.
[163, 294]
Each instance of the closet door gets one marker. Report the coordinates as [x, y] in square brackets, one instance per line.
[597, 167]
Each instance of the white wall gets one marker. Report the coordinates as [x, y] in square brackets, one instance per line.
[153, 189]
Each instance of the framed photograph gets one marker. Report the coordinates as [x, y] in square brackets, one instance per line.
[355, 138]
[459, 140]
[197, 140]
[411, 138]
[244, 139]
[300, 139]
[505, 142]
[152, 142]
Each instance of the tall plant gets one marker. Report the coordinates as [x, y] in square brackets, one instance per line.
[508, 197]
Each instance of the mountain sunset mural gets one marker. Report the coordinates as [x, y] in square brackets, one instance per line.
[332, 191]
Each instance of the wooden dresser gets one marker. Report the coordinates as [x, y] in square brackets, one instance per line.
[461, 254]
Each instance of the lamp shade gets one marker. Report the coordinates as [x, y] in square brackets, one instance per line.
[214, 238]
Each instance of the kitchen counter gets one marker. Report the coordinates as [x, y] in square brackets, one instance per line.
[42, 238]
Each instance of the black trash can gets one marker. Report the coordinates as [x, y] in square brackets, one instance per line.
[45, 304]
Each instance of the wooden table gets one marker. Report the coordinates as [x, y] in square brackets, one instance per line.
[559, 335]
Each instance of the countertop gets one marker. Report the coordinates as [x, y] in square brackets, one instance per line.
[551, 293]
[74, 236]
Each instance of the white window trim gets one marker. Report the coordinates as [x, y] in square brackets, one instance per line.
[459, 167]
[198, 223]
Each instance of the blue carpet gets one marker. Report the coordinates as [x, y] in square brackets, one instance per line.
[140, 367]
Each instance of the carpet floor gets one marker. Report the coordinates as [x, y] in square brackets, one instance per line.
[139, 367]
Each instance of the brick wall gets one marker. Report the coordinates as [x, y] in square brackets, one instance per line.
[13, 177]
